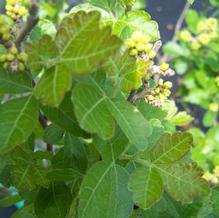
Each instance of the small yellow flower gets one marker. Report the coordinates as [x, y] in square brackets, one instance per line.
[133, 52]
[152, 54]
[150, 97]
[214, 107]
[204, 38]
[212, 23]
[202, 26]
[216, 171]
[164, 66]
[186, 36]
[137, 36]
[168, 85]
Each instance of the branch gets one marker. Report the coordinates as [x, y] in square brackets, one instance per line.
[31, 22]
[178, 28]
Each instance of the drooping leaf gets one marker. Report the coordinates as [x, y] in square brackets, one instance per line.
[18, 118]
[14, 83]
[171, 148]
[146, 185]
[53, 202]
[108, 182]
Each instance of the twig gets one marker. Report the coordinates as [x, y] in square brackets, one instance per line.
[178, 27]
[30, 24]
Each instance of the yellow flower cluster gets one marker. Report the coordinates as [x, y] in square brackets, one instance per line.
[160, 93]
[214, 107]
[207, 32]
[14, 60]
[213, 178]
[140, 43]
[16, 9]
[4, 29]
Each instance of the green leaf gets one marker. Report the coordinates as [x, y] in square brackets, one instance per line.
[53, 134]
[192, 19]
[18, 118]
[64, 117]
[62, 175]
[108, 181]
[146, 185]
[136, 21]
[215, 199]
[26, 172]
[14, 83]
[132, 123]
[82, 44]
[111, 150]
[151, 112]
[105, 4]
[40, 53]
[174, 50]
[91, 110]
[209, 118]
[75, 155]
[181, 119]
[183, 181]
[171, 148]
[52, 86]
[53, 202]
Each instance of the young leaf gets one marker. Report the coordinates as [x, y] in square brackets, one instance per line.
[18, 118]
[171, 148]
[136, 21]
[53, 202]
[108, 182]
[146, 185]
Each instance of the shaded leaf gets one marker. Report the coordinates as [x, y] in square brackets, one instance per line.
[108, 182]
[146, 185]
[18, 118]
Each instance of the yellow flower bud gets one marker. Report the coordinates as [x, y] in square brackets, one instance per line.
[202, 26]
[140, 46]
[23, 56]
[3, 58]
[212, 23]
[13, 50]
[23, 11]
[148, 47]
[10, 57]
[164, 67]
[204, 38]
[150, 97]
[133, 52]
[214, 107]
[21, 67]
[11, 2]
[186, 36]
[168, 85]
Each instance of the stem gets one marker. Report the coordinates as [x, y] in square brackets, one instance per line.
[30, 24]
[178, 28]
